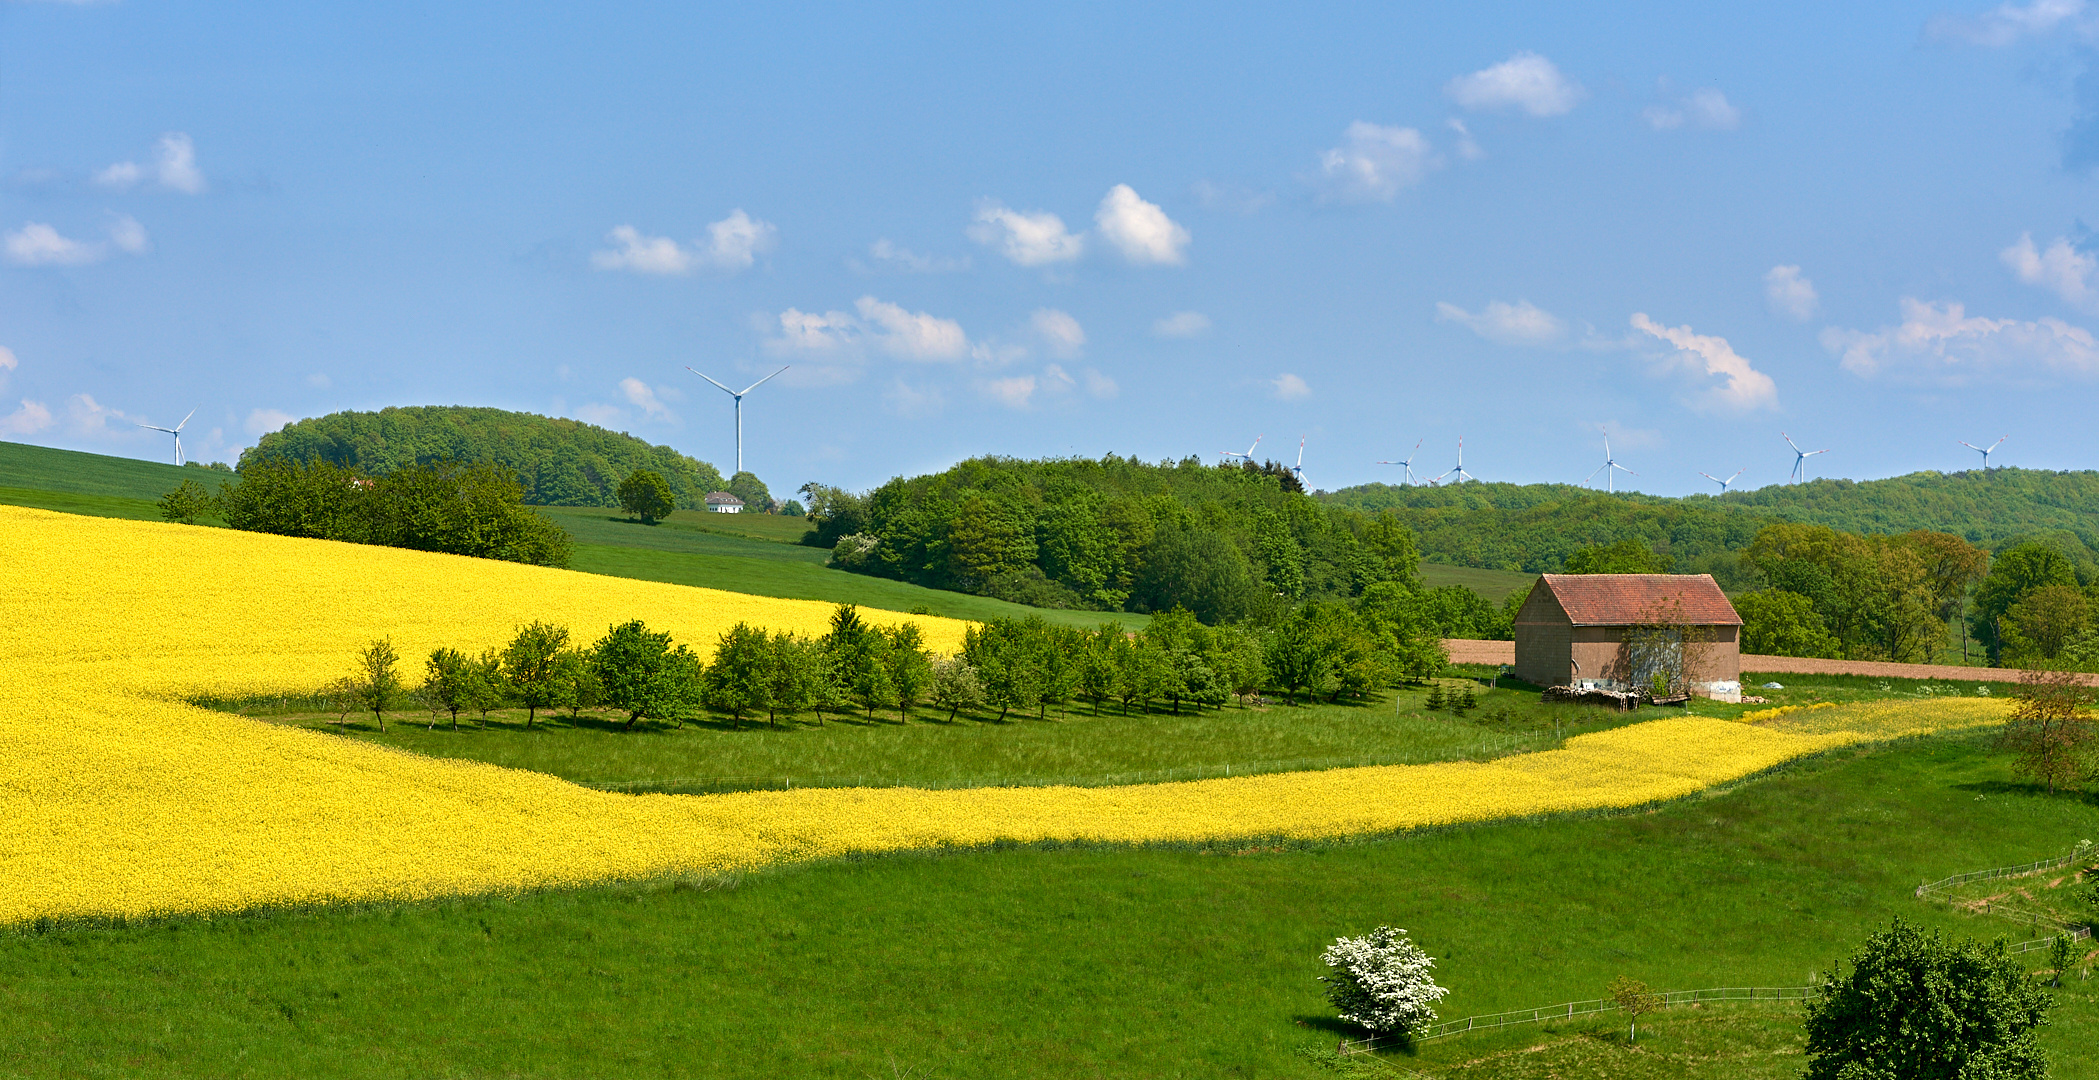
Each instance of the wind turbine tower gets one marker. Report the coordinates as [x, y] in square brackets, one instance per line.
[1610, 468]
[1408, 464]
[1984, 451]
[1226, 455]
[738, 395]
[1799, 456]
[1459, 471]
[175, 431]
[1724, 483]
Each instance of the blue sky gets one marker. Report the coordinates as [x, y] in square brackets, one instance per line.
[1068, 230]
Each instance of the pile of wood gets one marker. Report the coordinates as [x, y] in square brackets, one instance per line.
[1621, 700]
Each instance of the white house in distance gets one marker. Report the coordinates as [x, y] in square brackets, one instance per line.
[721, 502]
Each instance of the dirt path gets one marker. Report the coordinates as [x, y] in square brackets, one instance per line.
[1504, 652]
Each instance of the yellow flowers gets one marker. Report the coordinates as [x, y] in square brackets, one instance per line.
[1783, 710]
[120, 800]
[1895, 719]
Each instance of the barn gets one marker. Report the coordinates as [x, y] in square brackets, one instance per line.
[1613, 631]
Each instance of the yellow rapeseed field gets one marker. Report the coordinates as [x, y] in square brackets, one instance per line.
[121, 800]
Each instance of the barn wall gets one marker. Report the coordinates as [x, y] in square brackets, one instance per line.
[1544, 636]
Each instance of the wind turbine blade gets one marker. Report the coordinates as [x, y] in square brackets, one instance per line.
[757, 384]
[1592, 475]
[1300, 455]
[185, 420]
[703, 375]
[1789, 441]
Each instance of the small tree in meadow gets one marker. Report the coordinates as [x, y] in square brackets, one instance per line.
[486, 685]
[448, 683]
[738, 680]
[646, 495]
[1384, 982]
[791, 672]
[1632, 996]
[531, 667]
[2050, 731]
[1916, 1005]
[955, 686]
[379, 683]
[633, 669]
[576, 682]
[910, 671]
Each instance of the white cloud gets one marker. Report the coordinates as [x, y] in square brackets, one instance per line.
[1704, 110]
[1789, 293]
[912, 335]
[122, 176]
[8, 362]
[38, 244]
[1182, 324]
[86, 416]
[1520, 323]
[643, 254]
[175, 164]
[1468, 148]
[1231, 198]
[1140, 230]
[1059, 331]
[1941, 342]
[1373, 164]
[808, 331]
[31, 418]
[732, 244]
[642, 397]
[128, 235]
[1524, 81]
[1745, 387]
[263, 421]
[2006, 23]
[1036, 239]
[1017, 392]
[2061, 269]
[1288, 387]
[901, 258]
[604, 416]
[1100, 385]
[736, 241]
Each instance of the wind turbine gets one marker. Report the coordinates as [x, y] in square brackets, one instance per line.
[1408, 464]
[1249, 455]
[1610, 468]
[739, 406]
[1799, 456]
[1459, 472]
[1723, 483]
[1298, 470]
[1984, 452]
[175, 431]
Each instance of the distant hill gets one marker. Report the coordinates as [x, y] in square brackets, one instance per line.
[1533, 527]
[561, 462]
[42, 468]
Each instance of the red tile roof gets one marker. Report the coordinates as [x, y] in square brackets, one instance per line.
[1625, 599]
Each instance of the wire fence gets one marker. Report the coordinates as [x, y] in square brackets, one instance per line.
[1570, 1010]
[2033, 918]
[1492, 746]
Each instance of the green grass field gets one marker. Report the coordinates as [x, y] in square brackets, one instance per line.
[978, 749]
[1175, 961]
[42, 468]
[1495, 585]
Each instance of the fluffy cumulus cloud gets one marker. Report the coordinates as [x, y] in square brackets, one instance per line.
[1526, 82]
[1026, 239]
[39, 244]
[1943, 343]
[811, 332]
[2007, 23]
[174, 168]
[731, 244]
[640, 395]
[263, 421]
[1014, 392]
[8, 363]
[1741, 387]
[2060, 268]
[1706, 109]
[1788, 292]
[1520, 323]
[1182, 324]
[1060, 333]
[86, 416]
[1141, 231]
[28, 419]
[128, 236]
[1374, 163]
[1051, 386]
[1289, 387]
[911, 335]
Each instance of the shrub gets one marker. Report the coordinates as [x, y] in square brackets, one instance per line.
[1919, 1006]
[1382, 981]
[187, 503]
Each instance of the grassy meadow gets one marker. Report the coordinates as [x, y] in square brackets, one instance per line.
[1168, 961]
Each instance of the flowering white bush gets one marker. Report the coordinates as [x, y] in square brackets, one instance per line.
[1382, 982]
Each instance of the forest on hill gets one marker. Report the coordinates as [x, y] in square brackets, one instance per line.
[1534, 527]
[560, 462]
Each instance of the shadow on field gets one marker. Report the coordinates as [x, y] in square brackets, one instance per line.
[1984, 788]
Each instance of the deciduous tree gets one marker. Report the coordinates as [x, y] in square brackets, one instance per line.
[646, 495]
[529, 666]
[1917, 1006]
[379, 682]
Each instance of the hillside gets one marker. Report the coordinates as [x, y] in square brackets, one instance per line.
[1533, 527]
[561, 462]
[46, 469]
